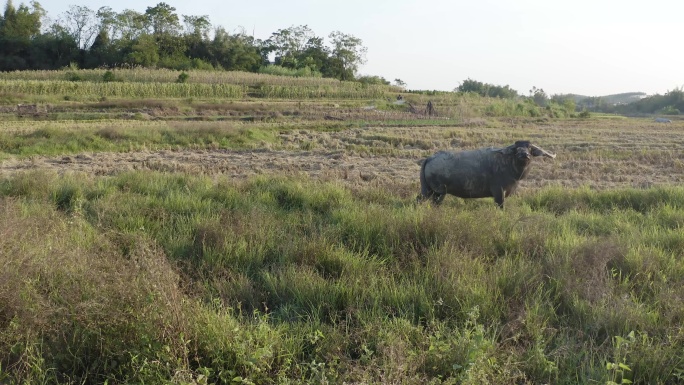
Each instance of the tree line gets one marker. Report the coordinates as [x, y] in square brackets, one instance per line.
[161, 38]
[671, 103]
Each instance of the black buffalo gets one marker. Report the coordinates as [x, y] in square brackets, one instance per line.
[481, 173]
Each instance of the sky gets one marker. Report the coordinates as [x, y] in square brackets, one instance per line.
[585, 47]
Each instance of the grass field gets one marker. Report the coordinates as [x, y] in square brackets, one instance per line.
[277, 240]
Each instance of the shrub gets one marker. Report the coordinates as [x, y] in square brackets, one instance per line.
[182, 78]
[669, 110]
[72, 77]
[108, 77]
[373, 80]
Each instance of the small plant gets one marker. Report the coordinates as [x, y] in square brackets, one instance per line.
[618, 370]
[183, 77]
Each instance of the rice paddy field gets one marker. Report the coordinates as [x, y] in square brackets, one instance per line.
[242, 228]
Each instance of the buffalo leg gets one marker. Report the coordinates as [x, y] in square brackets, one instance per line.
[498, 194]
[424, 195]
[438, 198]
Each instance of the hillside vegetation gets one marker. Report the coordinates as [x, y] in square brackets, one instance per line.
[149, 236]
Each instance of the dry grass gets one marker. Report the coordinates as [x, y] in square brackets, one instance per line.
[600, 154]
[591, 265]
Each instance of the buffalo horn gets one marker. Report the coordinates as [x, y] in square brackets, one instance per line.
[540, 151]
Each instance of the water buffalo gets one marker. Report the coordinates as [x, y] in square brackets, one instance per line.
[486, 172]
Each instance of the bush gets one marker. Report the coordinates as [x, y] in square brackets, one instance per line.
[108, 77]
[182, 78]
[484, 89]
[669, 110]
[378, 80]
[73, 77]
[200, 64]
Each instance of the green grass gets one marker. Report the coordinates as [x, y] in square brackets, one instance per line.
[153, 277]
[57, 138]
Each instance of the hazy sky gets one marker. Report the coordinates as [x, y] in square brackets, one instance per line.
[588, 47]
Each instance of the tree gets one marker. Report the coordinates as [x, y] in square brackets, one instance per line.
[348, 53]
[567, 101]
[156, 38]
[197, 26]
[101, 52]
[129, 25]
[106, 21]
[8, 20]
[592, 103]
[473, 86]
[315, 56]
[81, 24]
[144, 52]
[18, 27]
[52, 50]
[165, 28]
[486, 89]
[399, 83]
[162, 19]
[539, 96]
[234, 52]
[22, 23]
[674, 101]
[289, 45]
[197, 36]
[504, 92]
